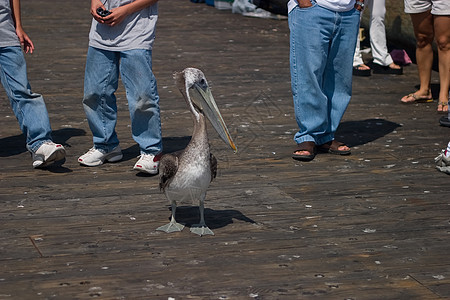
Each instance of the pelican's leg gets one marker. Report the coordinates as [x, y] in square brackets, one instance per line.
[201, 228]
[173, 226]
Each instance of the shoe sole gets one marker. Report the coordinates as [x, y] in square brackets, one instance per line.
[378, 69]
[57, 155]
[444, 121]
[145, 171]
[361, 73]
[114, 158]
[389, 72]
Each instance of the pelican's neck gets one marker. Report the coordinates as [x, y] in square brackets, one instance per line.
[199, 142]
[200, 133]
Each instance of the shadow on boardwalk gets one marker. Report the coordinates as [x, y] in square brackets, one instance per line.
[373, 225]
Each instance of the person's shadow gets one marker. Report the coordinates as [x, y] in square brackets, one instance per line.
[14, 145]
[170, 144]
[355, 133]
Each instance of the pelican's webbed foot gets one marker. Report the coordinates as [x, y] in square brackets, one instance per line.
[171, 227]
[201, 229]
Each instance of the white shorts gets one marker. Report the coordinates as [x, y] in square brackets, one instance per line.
[437, 7]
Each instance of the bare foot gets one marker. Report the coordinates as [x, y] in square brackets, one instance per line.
[394, 66]
[442, 106]
[362, 67]
[417, 97]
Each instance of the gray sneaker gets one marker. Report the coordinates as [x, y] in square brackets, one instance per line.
[47, 154]
[443, 162]
[96, 157]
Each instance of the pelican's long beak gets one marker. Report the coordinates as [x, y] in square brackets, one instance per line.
[202, 97]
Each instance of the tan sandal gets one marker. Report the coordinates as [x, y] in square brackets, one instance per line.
[413, 98]
[443, 106]
[333, 148]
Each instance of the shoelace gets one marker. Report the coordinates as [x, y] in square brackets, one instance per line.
[147, 157]
[92, 150]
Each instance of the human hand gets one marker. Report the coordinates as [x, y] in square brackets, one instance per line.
[25, 41]
[117, 15]
[95, 4]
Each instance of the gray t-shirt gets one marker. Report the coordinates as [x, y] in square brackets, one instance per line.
[137, 31]
[8, 36]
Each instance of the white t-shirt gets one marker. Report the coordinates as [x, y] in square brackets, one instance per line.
[8, 36]
[335, 5]
[137, 31]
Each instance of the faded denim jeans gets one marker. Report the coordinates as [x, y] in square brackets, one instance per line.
[322, 44]
[99, 102]
[29, 108]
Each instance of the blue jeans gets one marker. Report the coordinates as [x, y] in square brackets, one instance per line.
[99, 102]
[28, 107]
[322, 44]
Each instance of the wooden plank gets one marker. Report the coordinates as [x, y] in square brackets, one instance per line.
[373, 225]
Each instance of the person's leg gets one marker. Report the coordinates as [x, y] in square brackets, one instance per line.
[337, 83]
[143, 99]
[310, 33]
[442, 34]
[29, 107]
[424, 33]
[378, 33]
[359, 67]
[99, 102]
[357, 58]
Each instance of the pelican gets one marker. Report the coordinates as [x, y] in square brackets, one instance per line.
[186, 175]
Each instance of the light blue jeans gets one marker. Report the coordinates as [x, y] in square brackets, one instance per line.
[29, 108]
[322, 44]
[99, 102]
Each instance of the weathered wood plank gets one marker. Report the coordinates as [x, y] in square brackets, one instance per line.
[373, 225]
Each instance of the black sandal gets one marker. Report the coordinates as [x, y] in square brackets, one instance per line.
[333, 148]
[379, 69]
[305, 146]
[357, 71]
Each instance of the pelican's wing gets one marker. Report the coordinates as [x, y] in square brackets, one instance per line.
[213, 163]
[168, 167]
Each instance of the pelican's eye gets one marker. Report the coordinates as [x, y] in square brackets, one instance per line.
[202, 83]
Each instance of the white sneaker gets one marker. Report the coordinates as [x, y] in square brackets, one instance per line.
[443, 162]
[147, 163]
[47, 154]
[96, 157]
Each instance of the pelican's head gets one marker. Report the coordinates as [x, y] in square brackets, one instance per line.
[193, 85]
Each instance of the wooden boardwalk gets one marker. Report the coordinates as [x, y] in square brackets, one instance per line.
[374, 225]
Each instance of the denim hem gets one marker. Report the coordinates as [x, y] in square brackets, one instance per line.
[156, 152]
[36, 145]
[104, 148]
[319, 141]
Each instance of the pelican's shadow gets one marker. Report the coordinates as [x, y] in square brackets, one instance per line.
[355, 133]
[214, 219]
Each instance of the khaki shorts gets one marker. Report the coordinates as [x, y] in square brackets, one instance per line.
[437, 7]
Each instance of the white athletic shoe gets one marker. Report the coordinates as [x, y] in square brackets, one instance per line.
[443, 162]
[147, 163]
[96, 157]
[47, 154]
